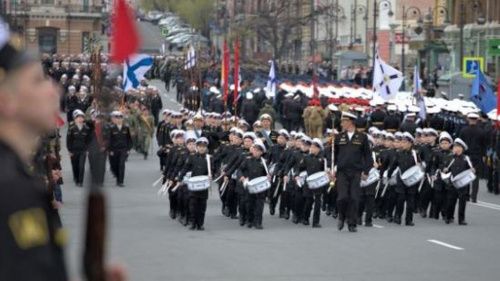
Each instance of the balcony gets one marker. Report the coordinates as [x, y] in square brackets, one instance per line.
[36, 8]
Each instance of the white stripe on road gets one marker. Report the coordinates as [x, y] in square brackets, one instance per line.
[487, 205]
[445, 244]
[377, 226]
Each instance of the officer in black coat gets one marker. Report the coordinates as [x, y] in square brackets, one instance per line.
[251, 168]
[77, 141]
[473, 135]
[163, 138]
[377, 117]
[120, 143]
[353, 161]
[199, 165]
[392, 121]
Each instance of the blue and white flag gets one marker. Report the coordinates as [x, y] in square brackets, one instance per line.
[482, 93]
[271, 83]
[190, 58]
[417, 87]
[134, 70]
[386, 79]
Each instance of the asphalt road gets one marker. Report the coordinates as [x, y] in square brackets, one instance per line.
[153, 247]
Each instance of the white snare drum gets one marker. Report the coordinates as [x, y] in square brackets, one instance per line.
[302, 179]
[198, 183]
[186, 178]
[317, 180]
[463, 179]
[258, 185]
[412, 176]
[445, 177]
[373, 176]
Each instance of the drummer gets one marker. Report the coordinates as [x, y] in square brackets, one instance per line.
[198, 165]
[460, 163]
[254, 167]
[405, 159]
[438, 164]
[313, 163]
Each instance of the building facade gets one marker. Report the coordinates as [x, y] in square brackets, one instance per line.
[55, 26]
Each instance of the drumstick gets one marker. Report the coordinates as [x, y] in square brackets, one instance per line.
[277, 188]
[431, 182]
[176, 186]
[377, 188]
[384, 190]
[421, 184]
[219, 177]
[157, 182]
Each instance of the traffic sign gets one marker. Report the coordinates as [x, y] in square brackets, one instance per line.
[494, 47]
[164, 31]
[471, 65]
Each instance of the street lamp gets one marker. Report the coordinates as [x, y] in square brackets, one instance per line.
[376, 5]
[480, 20]
[413, 12]
[360, 10]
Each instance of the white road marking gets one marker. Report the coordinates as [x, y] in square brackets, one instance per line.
[377, 226]
[487, 205]
[445, 244]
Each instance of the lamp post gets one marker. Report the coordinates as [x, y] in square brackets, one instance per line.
[480, 19]
[359, 10]
[376, 6]
[415, 12]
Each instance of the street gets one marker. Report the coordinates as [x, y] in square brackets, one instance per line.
[153, 247]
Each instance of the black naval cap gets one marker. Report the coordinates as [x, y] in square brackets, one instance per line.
[12, 55]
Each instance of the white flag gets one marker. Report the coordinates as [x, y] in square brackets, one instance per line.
[271, 83]
[190, 58]
[386, 79]
[134, 70]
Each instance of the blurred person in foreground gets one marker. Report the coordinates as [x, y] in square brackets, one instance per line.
[31, 239]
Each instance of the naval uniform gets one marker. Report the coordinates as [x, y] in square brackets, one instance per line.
[312, 164]
[352, 157]
[77, 141]
[460, 164]
[31, 240]
[475, 139]
[120, 143]
[252, 168]
[197, 164]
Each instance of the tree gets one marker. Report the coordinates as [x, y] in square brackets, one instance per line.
[276, 21]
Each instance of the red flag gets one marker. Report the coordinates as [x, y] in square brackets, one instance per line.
[225, 71]
[124, 36]
[498, 98]
[236, 69]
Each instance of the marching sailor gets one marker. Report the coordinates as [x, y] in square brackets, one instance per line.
[439, 158]
[405, 159]
[275, 159]
[353, 162]
[78, 141]
[253, 167]
[461, 163]
[120, 143]
[198, 165]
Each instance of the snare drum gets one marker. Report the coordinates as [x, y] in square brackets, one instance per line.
[373, 176]
[186, 178]
[463, 179]
[445, 177]
[412, 176]
[317, 180]
[258, 185]
[198, 183]
[302, 178]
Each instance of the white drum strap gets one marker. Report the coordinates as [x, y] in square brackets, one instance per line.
[209, 166]
[468, 161]
[451, 163]
[414, 156]
[265, 165]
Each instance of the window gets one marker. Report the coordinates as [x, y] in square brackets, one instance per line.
[48, 2]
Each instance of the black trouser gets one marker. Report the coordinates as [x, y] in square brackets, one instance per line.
[390, 198]
[438, 199]
[367, 202]
[255, 208]
[286, 200]
[232, 197]
[183, 198]
[425, 196]
[477, 162]
[173, 198]
[117, 163]
[405, 194]
[198, 207]
[298, 203]
[276, 188]
[348, 191]
[97, 162]
[313, 197]
[242, 203]
[452, 195]
[329, 198]
[78, 165]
